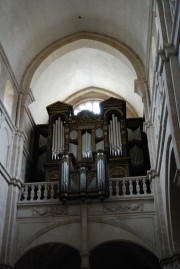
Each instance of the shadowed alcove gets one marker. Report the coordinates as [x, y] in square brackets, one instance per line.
[48, 256]
[122, 255]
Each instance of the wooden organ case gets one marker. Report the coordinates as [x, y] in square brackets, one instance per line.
[82, 151]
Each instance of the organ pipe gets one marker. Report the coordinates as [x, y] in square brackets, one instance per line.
[65, 172]
[58, 138]
[86, 145]
[115, 137]
[100, 170]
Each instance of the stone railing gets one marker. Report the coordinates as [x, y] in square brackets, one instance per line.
[118, 188]
[39, 191]
[130, 186]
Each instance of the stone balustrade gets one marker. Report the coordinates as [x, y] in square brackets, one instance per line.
[130, 186]
[118, 188]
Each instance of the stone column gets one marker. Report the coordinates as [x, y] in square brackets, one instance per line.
[17, 153]
[9, 232]
[162, 230]
[84, 237]
[148, 128]
[172, 111]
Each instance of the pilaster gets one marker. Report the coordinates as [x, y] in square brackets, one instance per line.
[162, 231]
[84, 237]
[6, 256]
[17, 153]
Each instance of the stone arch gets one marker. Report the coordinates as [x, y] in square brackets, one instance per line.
[92, 37]
[54, 232]
[122, 254]
[8, 97]
[112, 230]
[50, 255]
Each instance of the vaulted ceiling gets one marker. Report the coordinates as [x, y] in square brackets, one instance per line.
[28, 27]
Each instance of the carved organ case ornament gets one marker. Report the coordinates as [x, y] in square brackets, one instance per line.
[83, 151]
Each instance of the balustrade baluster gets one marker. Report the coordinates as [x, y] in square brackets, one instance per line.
[20, 197]
[130, 187]
[138, 186]
[123, 187]
[117, 188]
[32, 192]
[144, 186]
[26, 192]
[39, 192]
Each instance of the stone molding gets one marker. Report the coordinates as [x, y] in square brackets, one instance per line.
[122, 207]
[49, 211]
[8, 66]
[5, 174]
[4, 116]
[173, 261]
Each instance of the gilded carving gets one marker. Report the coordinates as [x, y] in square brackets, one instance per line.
[90, 177]
[118, 171]
[54, 175]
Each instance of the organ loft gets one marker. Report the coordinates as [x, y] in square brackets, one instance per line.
[82, 151]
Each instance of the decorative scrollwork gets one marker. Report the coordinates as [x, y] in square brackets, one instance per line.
[49, 211]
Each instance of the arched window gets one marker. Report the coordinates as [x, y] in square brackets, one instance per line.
[91, 105]
[8, 97]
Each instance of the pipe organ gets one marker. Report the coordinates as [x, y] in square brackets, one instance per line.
[84, 150]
